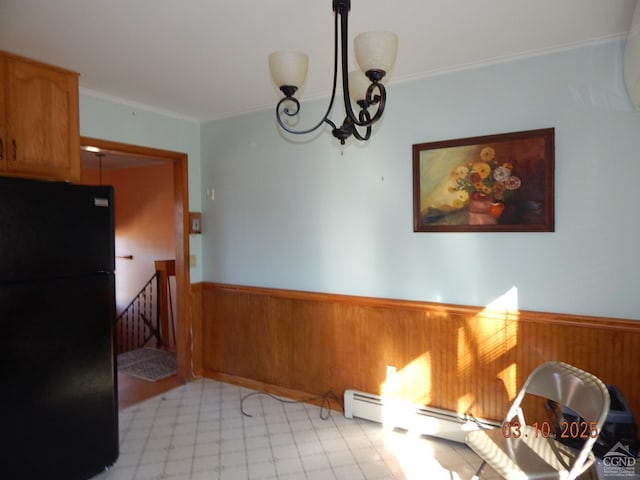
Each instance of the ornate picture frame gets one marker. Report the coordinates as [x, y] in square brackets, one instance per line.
[493, 183]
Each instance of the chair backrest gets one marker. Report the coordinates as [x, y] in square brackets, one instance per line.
[567, 385]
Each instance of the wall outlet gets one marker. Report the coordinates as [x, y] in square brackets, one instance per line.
[391, 371]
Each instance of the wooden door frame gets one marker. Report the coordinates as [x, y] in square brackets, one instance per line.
[181, 209]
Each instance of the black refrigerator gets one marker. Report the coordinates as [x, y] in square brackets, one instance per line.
[58, 392]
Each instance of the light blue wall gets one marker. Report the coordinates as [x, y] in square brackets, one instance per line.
[118, 122]
[317, 217]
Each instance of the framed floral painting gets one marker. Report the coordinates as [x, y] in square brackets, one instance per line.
[494, 183]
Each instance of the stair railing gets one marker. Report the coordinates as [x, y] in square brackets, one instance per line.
[139, 323]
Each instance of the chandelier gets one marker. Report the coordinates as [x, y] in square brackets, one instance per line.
[375, 53]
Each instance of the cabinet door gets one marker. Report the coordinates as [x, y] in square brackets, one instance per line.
[43, 138]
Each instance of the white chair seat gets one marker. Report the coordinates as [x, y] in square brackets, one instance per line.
[539, 457]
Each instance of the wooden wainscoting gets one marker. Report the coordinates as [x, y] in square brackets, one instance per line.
[466, 359]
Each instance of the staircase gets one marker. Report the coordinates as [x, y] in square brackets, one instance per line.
[148, 320]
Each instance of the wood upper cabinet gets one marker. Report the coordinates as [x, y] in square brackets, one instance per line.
[39, 127]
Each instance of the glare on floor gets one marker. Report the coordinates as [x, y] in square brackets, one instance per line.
[198, 431]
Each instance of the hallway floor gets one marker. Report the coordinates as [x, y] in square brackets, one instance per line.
[132, 390]
[197, 431]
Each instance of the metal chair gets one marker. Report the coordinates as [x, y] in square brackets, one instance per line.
[521, 451]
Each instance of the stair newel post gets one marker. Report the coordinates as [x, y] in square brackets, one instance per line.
[164, 269]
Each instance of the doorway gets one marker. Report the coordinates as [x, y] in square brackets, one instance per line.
[179, 168]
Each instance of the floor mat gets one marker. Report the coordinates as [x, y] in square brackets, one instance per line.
[147, 363]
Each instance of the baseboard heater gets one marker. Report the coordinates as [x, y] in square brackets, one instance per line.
[415, 418]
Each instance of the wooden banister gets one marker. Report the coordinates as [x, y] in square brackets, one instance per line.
[165, 269]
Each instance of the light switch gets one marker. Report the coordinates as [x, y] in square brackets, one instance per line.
[195, 222]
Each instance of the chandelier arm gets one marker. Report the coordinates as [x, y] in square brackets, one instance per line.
[372, 99]
[364, 117]
[344, 27]
[364, 137]
[375, 85]
[330, 123]
[294, 112]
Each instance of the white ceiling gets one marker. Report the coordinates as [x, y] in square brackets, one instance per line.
[207, 59]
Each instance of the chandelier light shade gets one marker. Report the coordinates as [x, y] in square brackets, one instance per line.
[376, 50]
[375, 53]
[289, 68]
[358, 85]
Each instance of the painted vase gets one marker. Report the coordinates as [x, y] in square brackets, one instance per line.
[484, 211]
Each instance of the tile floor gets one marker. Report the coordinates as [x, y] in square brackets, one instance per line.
[198, 431]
